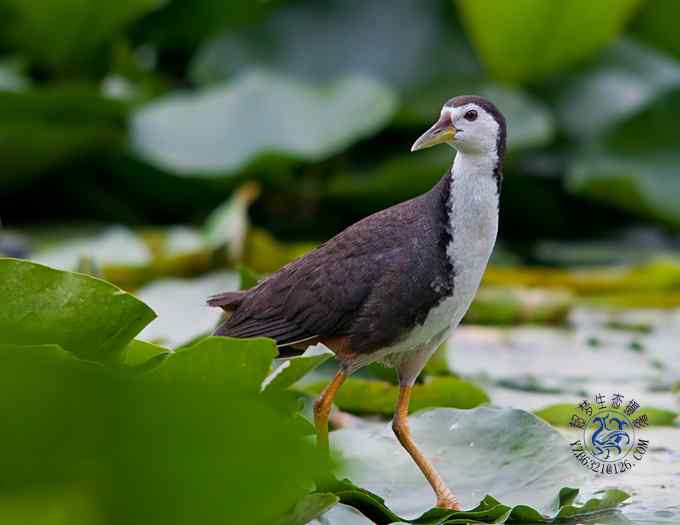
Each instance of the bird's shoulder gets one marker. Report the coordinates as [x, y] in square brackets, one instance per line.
[384, 230]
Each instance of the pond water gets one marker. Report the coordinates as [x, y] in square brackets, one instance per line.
[636, 353]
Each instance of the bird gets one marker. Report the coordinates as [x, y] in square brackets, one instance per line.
[393, 286]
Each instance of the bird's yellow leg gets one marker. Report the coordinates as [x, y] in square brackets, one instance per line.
[445, 497]
[322, 409]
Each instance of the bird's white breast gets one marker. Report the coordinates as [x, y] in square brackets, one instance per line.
[474, 226]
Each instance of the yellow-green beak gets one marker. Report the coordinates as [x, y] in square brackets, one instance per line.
[442, 132]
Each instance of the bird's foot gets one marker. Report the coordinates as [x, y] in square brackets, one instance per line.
[448, 503]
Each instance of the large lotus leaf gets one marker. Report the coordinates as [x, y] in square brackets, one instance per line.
[365, 396]
[197, 422]
[321, 41]
[635, 171]
[55, 415]
[226, 128]
[656, 24]
[527, 39]
[182, 311]
[42, 129]
[61, 33]
[625, 79]
[222, 361]
[89, 317]
[508, 453]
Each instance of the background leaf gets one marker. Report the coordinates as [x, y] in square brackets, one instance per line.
[169, 132]
[341, 38]
[527, 39]
[56, 127]
[654, 24]
[625, 79]
[364, 396]
[62, 33]
[634, 171]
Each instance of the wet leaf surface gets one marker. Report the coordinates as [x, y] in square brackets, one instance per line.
[509, 453]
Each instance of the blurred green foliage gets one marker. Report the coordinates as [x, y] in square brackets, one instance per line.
[195, 434]
[153, 111]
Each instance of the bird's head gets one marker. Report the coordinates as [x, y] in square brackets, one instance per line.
[470, 124]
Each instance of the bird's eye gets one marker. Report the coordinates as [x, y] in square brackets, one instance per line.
[470, 115]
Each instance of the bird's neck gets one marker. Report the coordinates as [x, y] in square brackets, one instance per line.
[478, 168]
[472, 205]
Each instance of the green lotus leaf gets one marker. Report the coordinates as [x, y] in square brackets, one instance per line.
[509, 453]
[367, 396]
[528, 39]
[223, 129]
[197, 421]
[89, 317]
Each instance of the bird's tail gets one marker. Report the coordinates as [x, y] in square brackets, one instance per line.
[228, 301]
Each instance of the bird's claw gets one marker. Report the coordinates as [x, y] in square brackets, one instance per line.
[451, 504]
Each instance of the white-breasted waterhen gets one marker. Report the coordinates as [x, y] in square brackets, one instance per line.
[392, 286]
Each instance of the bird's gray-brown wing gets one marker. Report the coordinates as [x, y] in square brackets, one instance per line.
[369, 276]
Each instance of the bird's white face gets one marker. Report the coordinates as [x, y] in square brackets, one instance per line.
[469, 128]
[476, 131]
